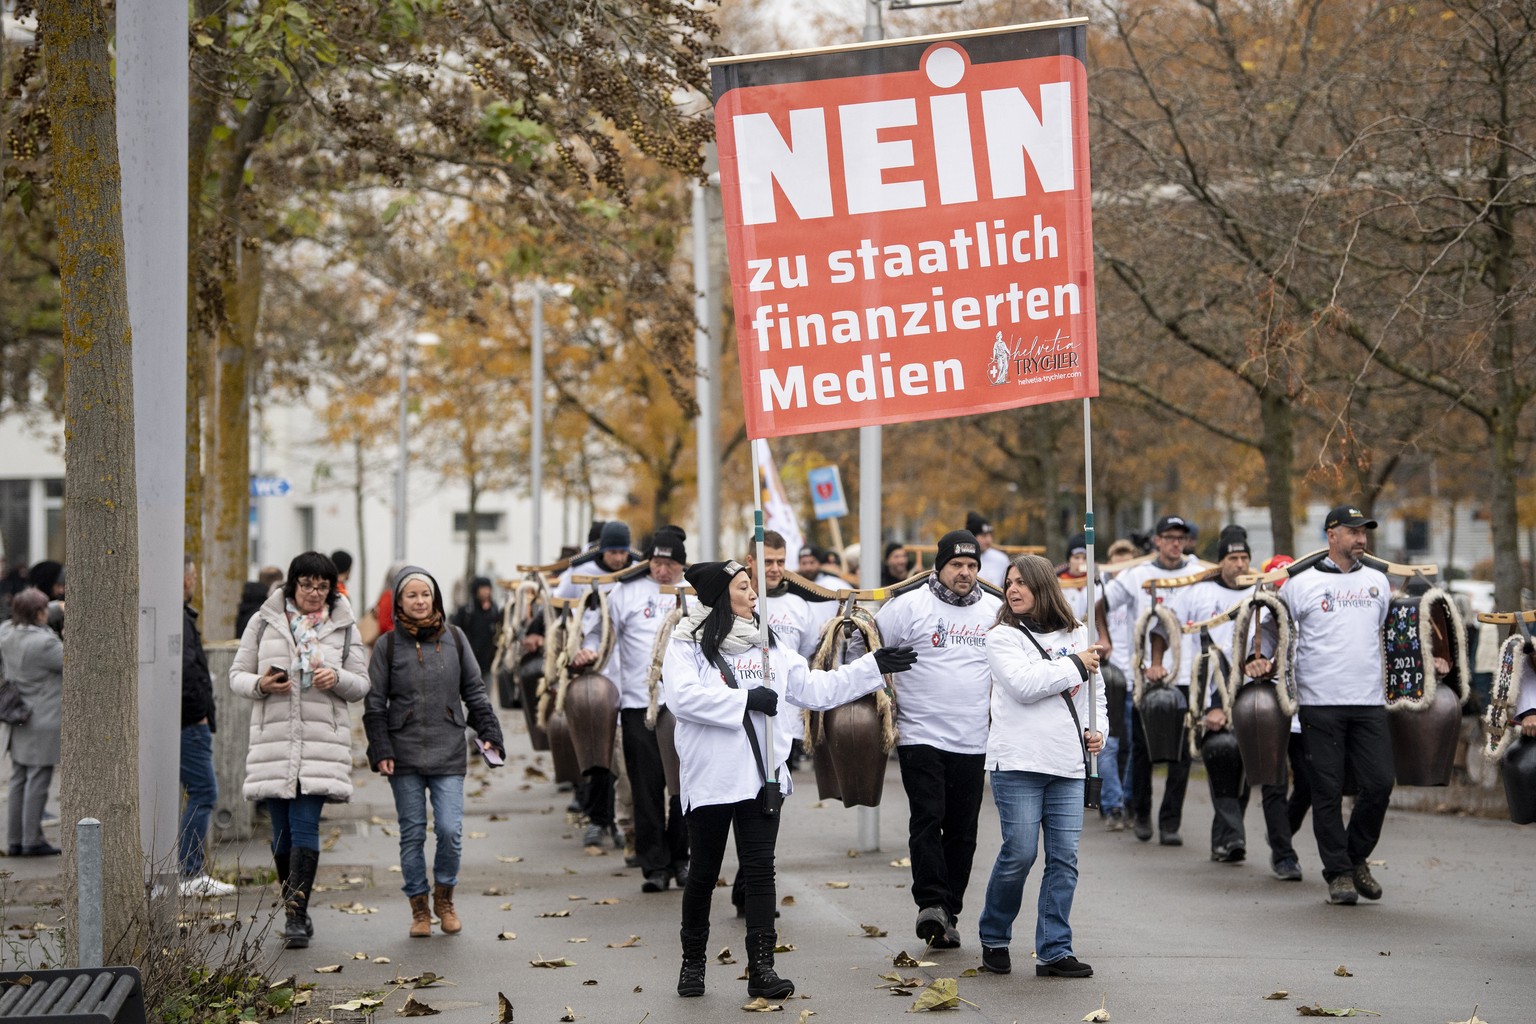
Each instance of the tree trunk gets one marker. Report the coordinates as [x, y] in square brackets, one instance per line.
[361, 589]
[472, 547]
[100, 733]
[227, 523]
[1277, 441]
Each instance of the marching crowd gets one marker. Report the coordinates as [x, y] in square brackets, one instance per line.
[1002, 676]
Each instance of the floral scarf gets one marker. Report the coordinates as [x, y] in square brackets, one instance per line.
[306, 637]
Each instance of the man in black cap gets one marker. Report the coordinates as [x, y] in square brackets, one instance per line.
[636, 609]
[994, 563]
[942, 713]
[1339, 607]
[1126, 590]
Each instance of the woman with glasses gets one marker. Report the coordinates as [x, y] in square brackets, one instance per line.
[301, 661]
[1037, 749]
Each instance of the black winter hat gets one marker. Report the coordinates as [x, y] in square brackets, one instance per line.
[667, 542]
[1077, 543]
[709, 580]
[956, 544]
[976, 524]
[595, 531]
[613, 536]
[1233, 538]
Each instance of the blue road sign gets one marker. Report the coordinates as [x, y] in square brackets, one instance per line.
[270, 486]
[827, 498]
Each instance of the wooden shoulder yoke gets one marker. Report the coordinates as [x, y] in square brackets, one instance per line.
[1216, 620]
[560, 566]
[627, 573]
[1507, 618]
[1174, 582]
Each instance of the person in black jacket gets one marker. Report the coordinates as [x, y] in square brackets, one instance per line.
[480, 618]
[423, 677]
[197, 777]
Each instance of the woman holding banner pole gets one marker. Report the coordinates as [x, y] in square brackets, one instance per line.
[717, 687]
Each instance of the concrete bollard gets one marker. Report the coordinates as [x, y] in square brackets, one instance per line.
[233, 815]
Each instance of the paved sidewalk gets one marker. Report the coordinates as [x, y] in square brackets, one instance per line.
[1172, 937]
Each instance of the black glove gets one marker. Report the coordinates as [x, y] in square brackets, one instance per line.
[763, 699]
[895, 659]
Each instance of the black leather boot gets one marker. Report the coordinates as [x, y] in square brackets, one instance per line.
[297, 927]
[761, 979]
[690, 980]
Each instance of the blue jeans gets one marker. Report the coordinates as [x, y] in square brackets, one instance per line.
[1112, 796]
[202, 789]
[295, 822]
[448, 822]
[1025, 802]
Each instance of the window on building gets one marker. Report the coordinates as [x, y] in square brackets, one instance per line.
[306, 514]
[1416, 535]
[16, 522]
[486, 523]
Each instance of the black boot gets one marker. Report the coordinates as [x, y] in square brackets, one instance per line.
[283, 863]
[690, 980]
[297, 927]
[761, 979]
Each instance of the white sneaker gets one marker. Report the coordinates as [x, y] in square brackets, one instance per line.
[206, 888]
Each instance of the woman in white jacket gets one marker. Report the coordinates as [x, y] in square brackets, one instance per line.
[1036, 749]
[714, 684]
[301, 661]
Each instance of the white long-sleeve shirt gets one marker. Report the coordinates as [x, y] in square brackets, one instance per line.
[794, 621]
[1338, 618]
[1124, 594]
[1032, 728]
[718, 766]
[943, 700]
[994, 566]
[1197, 603]
[636, 608]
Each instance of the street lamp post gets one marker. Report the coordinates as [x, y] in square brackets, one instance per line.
[402, 470]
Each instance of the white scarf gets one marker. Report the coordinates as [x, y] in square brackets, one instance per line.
[744, 634]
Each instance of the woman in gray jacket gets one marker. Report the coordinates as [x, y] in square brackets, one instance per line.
[33, 658]
[301, 661]
[424, 675]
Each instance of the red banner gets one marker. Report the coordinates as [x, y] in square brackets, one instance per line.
[909, 227]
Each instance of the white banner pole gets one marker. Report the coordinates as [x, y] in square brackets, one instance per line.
[1093, 704]
[770, 768]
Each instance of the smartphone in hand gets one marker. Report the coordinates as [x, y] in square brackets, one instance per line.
[492, 757]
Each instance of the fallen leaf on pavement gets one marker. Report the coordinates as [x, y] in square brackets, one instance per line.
[897, 979]
[902, 959]
[561, 962]
[503, 1009]
[506, 936]
[836, 885]
[360, 1003]
[806, 1015]
[854, 853]
[359, 956]
[575, 897]
[1099, 1016]
[761, 1005]
[784, 947]
[590, 981]
[509, 860]
[724, 956]
[1281, 994]
[381, 959]
[568, 1015]
[1342, 972]
[874, 931]
[605, 902]
[787, 901]
[1383, 952]
[354, 908]
[556, 913]
[1474, 1019]
[904, 862]
[494, 890]
[632, 941]
[475, 835]
[505, 906]
[594, 851]
[412, 1008]
[970, 972]
[427, 979]
[330, 841]
[1323, 1011]
[942, 994]
[331, 969]
[530, 772]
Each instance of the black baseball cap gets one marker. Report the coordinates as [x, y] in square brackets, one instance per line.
[1172, 523]
[1348, 515]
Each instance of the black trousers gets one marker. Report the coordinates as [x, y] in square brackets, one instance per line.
[1285, 807]
[1170, 815]
[944, 791]
[756, 837]
[661, 839]
[1351, 740]
[597, 797]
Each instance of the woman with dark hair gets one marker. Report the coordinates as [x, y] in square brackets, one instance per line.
[423, 675]
[301, 660]
[32, 657]
[895, 565]
[1037, 749]
[715, 685]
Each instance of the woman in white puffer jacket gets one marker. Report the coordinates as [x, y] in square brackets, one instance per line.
[1036, 748]
[301, 660]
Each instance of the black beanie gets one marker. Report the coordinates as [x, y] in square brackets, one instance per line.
[1233, 538]
[710, 579]
[667, 542]
[976, 525]
[614, 536]
[956, 544]
[595, 531]
[1077, 543]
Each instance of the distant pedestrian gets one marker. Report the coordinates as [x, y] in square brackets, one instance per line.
[254, 594]
[198, 780]
[895, 565]
[480, 618]
[301, 660]
[32, 658]
[994, 563]
[1037, 752]
[423, 677]
[343, 560]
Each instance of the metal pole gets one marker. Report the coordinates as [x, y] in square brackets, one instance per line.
[152, 147]
[706, 439]
[405, 456]
[869, 494]
[762, 590]
[88, 881]
[536, 447]
[1093, 725]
